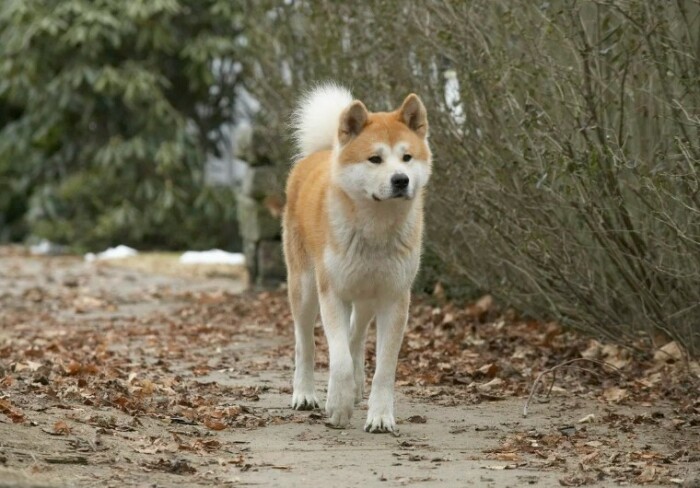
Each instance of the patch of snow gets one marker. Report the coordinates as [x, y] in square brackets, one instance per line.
[286, 73]
[214, 256]
[118, 252]
[224, 171]
[46, 248]
[453, 98]
[246, 104]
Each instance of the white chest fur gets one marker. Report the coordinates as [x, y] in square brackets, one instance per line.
[377, 253]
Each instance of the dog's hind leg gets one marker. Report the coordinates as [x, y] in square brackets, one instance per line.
[303, 299]
[362, 313]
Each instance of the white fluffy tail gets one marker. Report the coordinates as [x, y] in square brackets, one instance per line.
[317, 117]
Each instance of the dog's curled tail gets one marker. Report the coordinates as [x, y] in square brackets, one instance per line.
[317, 118]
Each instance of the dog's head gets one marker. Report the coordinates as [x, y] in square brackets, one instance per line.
[383, 156]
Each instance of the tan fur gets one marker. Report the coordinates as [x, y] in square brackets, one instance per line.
[308, 184]
[358, 246]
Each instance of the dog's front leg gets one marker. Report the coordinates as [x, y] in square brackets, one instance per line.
[335, 315]
[391, 322]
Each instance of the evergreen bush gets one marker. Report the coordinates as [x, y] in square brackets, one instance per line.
[106, 112]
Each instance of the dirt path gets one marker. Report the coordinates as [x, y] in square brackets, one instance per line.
[113, 376]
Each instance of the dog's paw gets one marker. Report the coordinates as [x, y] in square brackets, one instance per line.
[380, 417]
[340, 401]
[339, 412]
[379, 423]
[304, 399]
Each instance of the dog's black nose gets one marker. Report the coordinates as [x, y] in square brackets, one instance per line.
[399, 181]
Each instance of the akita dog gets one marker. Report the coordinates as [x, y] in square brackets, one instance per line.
[352, 228]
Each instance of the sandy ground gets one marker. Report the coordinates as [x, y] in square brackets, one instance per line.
[441, 443]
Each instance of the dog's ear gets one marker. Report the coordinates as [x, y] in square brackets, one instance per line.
[352, 121]
[413, 114]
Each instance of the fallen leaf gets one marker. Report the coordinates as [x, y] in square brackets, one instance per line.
[508, 456]
[588, 419]
[575, 480]
[11, 411]
[417, 419]
[615, 355]
[215, 424]
[590, 457]
[208, 445]
[615, 394]
[489, 370]
[491, 384]
[694, 367]
[147, 387]
[448, 319]
[481, 307]
[648, 474]
[669, 352]
[33, 365]
[500, 467]
[593, 351]
[61, 428]
[176, 466]
[569, 430]
[439, 292]
[72, 368]
[30, 365]
[85, 304]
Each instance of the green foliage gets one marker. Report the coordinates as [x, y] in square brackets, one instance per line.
[568, 183]
[110, 107]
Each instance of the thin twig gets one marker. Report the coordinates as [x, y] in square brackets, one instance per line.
[554, 369]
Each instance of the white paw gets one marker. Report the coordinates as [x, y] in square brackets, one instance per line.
[380, 416]
[340, 401]
[304, 399]
[380, 422]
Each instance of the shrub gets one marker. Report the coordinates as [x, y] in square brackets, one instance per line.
[113, 107]
[566, 138]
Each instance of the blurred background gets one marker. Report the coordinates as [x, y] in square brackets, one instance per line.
[566, 137]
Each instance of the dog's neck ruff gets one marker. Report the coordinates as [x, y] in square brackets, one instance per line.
[382, 224]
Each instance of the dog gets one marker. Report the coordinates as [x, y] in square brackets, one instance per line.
[352, 234]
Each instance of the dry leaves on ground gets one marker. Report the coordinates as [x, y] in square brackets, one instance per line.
[159, 366]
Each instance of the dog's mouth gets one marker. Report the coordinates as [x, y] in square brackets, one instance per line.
[395, 196]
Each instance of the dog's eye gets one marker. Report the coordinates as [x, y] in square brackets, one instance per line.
[407, 158]
[375, 159]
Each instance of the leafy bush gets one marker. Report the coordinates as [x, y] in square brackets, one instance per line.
[566, 138]
[111, 107]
